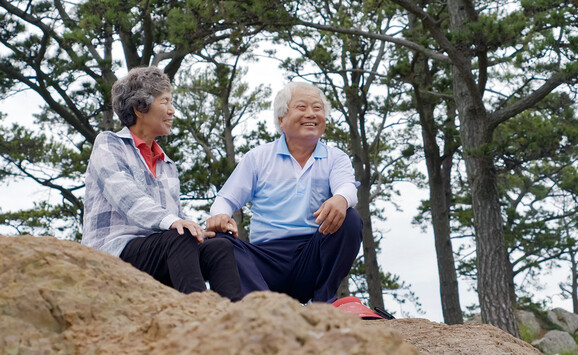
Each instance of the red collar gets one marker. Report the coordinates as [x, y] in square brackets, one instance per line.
[150, 155]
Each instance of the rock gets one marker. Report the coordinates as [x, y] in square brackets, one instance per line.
[566, 320]
[474, 319]
[556, 342]
[529, 325]
[480, 339]
[58, 297]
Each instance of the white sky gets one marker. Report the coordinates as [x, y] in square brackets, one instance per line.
[406, 250]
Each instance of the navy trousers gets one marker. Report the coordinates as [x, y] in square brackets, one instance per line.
[308, 267]
[181, 262]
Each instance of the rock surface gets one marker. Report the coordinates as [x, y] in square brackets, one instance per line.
[480, 339]
[556, 342]
[567, 320]
[58, 297]
[529, 324]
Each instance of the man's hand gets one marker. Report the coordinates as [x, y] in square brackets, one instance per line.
[331, 214]
[194, 228]
[222, 223]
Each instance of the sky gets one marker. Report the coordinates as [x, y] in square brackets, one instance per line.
[406, 250]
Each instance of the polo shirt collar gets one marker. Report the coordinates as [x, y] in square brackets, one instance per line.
[320, 151]
[156, 148]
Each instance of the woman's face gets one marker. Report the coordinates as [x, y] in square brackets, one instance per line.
[159, 120]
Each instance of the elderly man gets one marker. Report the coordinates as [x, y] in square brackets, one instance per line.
[304, 232]
[132, 206]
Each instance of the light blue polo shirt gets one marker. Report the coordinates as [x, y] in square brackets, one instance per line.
[284, 196]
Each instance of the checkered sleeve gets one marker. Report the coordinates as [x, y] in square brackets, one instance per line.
[125, 188]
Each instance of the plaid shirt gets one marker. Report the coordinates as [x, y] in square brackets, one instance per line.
[123, 200]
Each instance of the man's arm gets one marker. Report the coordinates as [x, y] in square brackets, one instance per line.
[342, 183]
[236, 192]
[220, 220]
[331, 214]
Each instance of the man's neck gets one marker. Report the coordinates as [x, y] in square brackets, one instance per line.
[301, 151]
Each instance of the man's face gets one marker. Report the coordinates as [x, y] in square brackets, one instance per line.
[305, 117]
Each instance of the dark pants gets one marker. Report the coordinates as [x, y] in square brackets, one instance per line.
[308, 267]
[181, 262]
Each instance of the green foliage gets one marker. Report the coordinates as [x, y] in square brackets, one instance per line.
[526, 334]
[66, 56]
[64, 52]
[536, 154]
[45, 219]
[50, 163]
[214, 105]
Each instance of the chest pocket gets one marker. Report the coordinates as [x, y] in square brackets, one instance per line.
[320, 192]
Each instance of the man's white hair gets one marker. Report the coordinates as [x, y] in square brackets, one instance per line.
[283, 97]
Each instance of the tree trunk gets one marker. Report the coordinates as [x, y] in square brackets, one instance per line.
[238, 216]
[362, 165]
[440, 203]
[510, 276]
[574, 275]
[439, 180]
[228, 76]
[493, 285]
[343, 290]
[372, 273]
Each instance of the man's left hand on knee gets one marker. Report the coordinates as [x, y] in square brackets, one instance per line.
[331, 214]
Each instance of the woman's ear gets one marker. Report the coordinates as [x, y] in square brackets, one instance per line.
[137, 113]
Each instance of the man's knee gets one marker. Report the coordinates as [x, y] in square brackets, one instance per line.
[353, 224]
[353, 218]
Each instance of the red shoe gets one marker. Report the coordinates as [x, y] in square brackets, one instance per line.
[353, 305]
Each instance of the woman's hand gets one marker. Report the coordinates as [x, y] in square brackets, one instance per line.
[195, 230]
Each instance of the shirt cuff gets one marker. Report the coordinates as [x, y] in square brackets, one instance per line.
[222, 206]
[168, 221]
[349, 192]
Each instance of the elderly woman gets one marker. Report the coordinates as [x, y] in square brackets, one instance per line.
[132, 207]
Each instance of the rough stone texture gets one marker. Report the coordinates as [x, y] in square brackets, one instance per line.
[529, 325]
[568, 321]
[480, 339]
[474, 319]
[556, 342]
[58, 297]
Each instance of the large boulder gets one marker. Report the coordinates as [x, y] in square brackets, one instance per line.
[58, 297]
[556, 342]
[566, 320]
[480, 339]
[529, 325]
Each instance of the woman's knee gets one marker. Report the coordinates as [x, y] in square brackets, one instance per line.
[222, 245]
[173, 239]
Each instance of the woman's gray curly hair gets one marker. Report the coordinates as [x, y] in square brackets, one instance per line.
[283, 97]
[137, 91]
